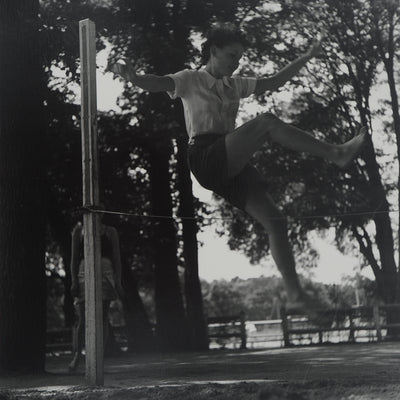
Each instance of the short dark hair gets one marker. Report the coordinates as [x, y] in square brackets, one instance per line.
[221, 35]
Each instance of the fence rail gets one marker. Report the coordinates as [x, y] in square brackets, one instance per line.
[373, 323]
[352, 320]
[227, 327]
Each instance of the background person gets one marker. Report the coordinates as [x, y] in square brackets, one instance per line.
[111, 282]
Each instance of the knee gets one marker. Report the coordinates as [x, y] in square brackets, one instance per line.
[269, 121]
[276, 223]
[266, 212]
[80, 316]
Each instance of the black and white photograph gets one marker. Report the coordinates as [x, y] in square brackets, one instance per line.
[199, 199]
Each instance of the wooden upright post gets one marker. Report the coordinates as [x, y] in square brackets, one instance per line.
[91, 221]
[285, 327]
[243, 333]
[377, 321]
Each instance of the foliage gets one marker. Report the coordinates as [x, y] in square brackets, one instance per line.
[331, 98]
[258, 297]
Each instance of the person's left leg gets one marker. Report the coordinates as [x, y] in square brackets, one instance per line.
[260, 206]
[106, 324]
[78, 335]
[301, 141]
[244, 141]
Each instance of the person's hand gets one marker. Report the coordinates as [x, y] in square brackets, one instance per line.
[126, 70]
[75, 289]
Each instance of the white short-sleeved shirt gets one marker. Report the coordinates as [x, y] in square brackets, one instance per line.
[210, 105]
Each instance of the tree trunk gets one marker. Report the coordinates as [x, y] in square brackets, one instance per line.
[62, 236]
[194, 301]
[384, 232]
[392, 316]
[387, 54]
[193, 295]
[22, 228]
[171, 324]
[396, 124]
[139, 331]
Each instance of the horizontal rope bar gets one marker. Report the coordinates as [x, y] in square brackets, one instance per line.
[176, 217]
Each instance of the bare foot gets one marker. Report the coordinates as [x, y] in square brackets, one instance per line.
[349, 151]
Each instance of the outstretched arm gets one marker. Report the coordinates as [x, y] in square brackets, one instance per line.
[149, 82]
[276, 81]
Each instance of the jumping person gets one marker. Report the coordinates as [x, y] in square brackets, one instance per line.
[111, 283]
[219, 153]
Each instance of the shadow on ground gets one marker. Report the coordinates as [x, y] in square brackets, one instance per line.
[358, 371]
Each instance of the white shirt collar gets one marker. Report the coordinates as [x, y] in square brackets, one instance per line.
[211, 80]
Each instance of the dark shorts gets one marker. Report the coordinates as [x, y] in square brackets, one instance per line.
[109, 291]
[208, 163]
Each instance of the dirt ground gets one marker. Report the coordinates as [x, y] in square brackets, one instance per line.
[354, 372]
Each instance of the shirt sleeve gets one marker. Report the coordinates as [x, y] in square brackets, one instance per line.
[182, 81]
[245, 86]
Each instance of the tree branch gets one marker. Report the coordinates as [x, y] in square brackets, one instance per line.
[366, 251]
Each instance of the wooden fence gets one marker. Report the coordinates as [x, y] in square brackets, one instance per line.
[223, 329]
[373, 319]
[364, 323]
